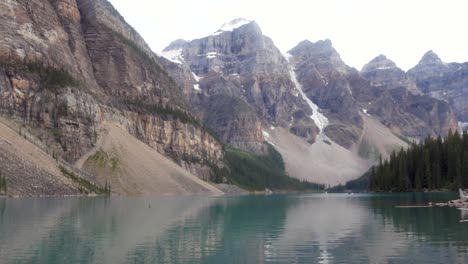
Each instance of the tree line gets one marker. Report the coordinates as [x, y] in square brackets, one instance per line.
[434, 163]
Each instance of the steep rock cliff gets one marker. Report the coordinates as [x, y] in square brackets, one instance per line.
[68, 66]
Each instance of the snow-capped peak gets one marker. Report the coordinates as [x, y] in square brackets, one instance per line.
[230, 26]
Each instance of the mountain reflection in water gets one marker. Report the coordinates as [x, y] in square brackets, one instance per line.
[305, 228]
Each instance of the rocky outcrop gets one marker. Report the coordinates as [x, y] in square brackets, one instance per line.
[67, 66]
[443, 81]
[181, 141]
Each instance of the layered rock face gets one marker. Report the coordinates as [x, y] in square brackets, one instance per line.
[443, 81]
[68, 66]
[241, 64]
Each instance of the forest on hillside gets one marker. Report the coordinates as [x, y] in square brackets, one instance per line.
[432, 164]
[259, 172]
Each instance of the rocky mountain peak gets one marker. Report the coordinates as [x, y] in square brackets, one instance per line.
[321, 46]
[430, 57]
[444, 81]
[324, 44]
[322, 54]
[380, 62]
[383, 72]
[232, 25]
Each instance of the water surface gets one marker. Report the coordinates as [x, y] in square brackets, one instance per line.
[303, 228]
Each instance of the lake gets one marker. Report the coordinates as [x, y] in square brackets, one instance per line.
[294, 228]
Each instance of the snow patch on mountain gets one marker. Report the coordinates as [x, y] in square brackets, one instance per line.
[365, 112]
[230, 26]
[267, 136]
[196, 86]
[196, 77]
[211, 55]
[173, 55]
[384, 68]
[319, 119]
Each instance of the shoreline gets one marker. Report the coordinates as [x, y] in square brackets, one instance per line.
[238, 193]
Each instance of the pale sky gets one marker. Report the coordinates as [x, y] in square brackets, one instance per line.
[403, 30]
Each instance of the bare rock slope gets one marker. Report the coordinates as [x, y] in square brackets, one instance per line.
[28, 169]
[131, 166]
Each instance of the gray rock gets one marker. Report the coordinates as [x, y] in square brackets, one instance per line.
[443, 81]
[243, 65]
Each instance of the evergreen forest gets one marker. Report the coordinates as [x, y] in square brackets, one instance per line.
[433, 164]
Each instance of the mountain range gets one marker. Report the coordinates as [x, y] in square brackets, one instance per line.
[83, 99]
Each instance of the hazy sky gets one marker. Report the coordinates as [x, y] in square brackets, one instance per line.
[403, 30]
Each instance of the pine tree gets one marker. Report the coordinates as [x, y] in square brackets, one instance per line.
[372, 184]
[107, 189]
[427, 170]
[464, 172]
[402, 173]
[436, 175]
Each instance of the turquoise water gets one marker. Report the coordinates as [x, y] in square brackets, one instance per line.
[305, 228]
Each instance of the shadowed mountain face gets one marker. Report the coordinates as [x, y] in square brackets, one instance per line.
[443, 81]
